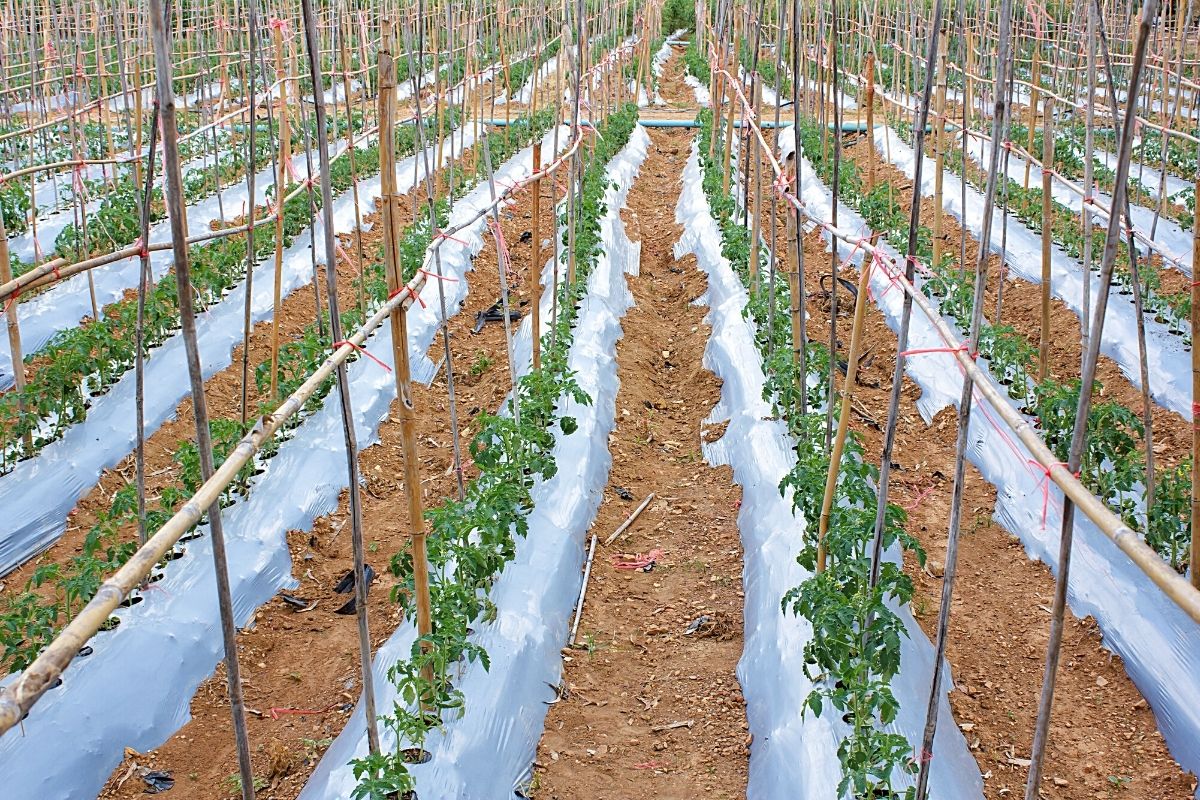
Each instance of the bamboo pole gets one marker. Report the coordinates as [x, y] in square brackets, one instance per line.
[14, 329]
[172, 175]
[1035, 84]
[399, 327]
[939, 150]
[1047, 218]
[839, 441]
[251, 177]
[755, 170]
[536, 270]
[285, 138]
[343, 382]
[797, 310]
[1194, 561]
[871, 153]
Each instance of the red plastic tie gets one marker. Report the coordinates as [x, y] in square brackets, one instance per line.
[444, 235]
[1045, 484]
[434, 276]
[640, 561]
[12, 298]
[363, 350]
[962, 348]
[917, 501]
[406, 288]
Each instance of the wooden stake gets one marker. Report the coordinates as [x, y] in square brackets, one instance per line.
[839, 441]
[1047, 218]
[536, 268]
[285, 154]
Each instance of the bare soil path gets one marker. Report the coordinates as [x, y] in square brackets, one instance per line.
[652, 710]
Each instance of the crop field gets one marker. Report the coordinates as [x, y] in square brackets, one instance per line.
[600, 399]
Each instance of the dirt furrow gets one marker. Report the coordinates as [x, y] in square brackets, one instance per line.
[303, 664]
[1104, 740]
[652, 707]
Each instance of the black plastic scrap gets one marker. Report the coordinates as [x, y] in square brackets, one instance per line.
[346, 584]
[158, 782]
[494, 314]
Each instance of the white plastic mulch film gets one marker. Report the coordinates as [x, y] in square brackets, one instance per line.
[793, 754]
[40, 492]
[488, 753]
[1168, 358]
[135, 690]
[1159, 643]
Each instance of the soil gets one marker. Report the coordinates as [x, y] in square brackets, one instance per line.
[1021, 308]
[303, 665]
[671, 86]
[223, 393]
[1102, 730]
[649, 709]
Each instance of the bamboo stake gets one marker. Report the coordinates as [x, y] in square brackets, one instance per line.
[14, 330]
[145, 276]
[1194, 561]
[1047, 218]
[1035, 84]
[755, 168]
[797, 310]
[399, 325]
[839, 442]
[251, 177]
[939, 149]
[166, 100]
[871, 153]
[536, 271]
[285, 138]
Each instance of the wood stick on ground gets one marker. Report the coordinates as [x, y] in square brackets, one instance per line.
[587, 573]
[624, 526]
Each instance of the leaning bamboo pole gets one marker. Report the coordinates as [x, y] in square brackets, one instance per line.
[847, 399]
[285, 137]
[1194, 561]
